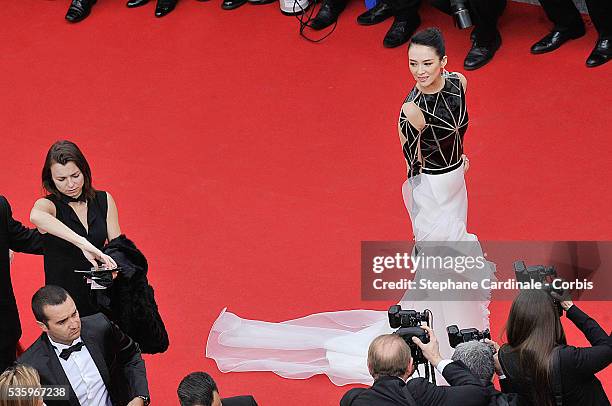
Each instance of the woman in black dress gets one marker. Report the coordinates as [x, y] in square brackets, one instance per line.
[76, 221]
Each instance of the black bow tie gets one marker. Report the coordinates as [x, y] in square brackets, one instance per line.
[65, 354]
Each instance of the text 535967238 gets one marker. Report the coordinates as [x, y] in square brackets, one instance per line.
[50, 392]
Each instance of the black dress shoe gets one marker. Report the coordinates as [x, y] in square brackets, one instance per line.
[554, 40]
[328, 14]
[377, 14]
[601, 54]
[260, 2]
[164, 7]
[481, 53]
[400, 32]
[79, 9]
[232, 4]
[136, 3]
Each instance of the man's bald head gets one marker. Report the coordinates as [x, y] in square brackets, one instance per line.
[389, 355]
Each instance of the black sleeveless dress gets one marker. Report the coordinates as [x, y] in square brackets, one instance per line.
[62, 257]
[441, 140]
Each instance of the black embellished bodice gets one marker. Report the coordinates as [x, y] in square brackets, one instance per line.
[441, 140]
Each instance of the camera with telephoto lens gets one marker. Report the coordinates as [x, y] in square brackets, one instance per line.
[462, 14]
[407, 323]
[456, 336]
[539, 273]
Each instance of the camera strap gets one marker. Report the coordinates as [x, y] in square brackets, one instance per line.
[555, 377]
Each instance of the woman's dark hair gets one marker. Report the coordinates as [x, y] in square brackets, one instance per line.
[63, 152]
[534, 330]
[430, 37]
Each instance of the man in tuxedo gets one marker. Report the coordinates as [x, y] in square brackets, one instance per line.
[390, 364]
[569, 25]
[13, 236]
[100, 365]
[199, 389]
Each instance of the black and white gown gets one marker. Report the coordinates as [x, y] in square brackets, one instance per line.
[336, 343]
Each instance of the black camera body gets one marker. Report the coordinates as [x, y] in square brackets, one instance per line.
[460, 11]
[406, 318]
[456, 336]
[407, 323]
[407, 333]
[539, 273]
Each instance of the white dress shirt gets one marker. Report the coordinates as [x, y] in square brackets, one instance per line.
[442, 364]
[83, 375]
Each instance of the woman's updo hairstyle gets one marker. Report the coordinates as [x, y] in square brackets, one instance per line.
[430, 37]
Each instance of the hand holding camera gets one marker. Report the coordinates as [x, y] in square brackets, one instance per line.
[430, 350]
[498, 369]
[564, 298]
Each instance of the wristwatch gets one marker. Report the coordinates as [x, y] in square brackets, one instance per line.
[145, 399]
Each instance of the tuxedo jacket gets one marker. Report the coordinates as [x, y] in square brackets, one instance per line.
[116, 356]
[465, 390]
[239, 401]
[14, 236]
[578, 366]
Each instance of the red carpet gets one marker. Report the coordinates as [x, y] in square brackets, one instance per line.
[248, 164]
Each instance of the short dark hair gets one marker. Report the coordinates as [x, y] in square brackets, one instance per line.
[62, 152]
[430, 37]
[197, 388]
[49, 295]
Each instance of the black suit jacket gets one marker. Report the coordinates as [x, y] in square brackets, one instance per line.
[115, 354]
[465, 390]
[578, 366]
[239, 401]
[14, 236]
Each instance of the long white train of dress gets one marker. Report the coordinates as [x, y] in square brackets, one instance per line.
[336, 343]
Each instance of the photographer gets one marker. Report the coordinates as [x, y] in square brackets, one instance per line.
[390, 364]
[479, 357]
[537, 362]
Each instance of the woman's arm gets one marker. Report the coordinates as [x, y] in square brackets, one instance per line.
[112, 219]
[409, 132]
[463, 80]
[588, 360]
[43, 217]
[589, 327]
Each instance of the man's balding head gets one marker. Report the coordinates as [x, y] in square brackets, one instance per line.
[389, 355]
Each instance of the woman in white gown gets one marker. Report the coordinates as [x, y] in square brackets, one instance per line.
[432, 123]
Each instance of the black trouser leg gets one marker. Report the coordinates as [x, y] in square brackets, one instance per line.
[442, 5]
[601, 15]
[405, 10]
[7, 356]
[336, 4]
[564, 14]
[485, 14]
